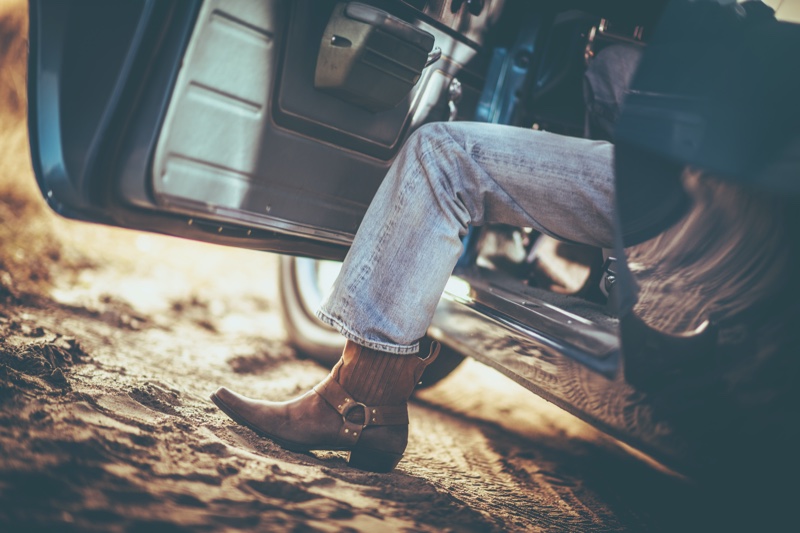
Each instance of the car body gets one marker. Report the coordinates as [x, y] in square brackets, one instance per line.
[206, 120]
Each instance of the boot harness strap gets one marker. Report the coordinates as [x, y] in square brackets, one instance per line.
[343, 402]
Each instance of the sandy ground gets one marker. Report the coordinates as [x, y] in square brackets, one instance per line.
[112, 340]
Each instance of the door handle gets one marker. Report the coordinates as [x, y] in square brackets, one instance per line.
[433, 56]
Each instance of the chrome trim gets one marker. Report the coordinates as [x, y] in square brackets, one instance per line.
[528, 311]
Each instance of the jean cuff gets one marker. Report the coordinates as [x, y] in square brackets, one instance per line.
[398, 349]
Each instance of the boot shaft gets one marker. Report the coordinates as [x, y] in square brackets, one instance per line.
[380, 378]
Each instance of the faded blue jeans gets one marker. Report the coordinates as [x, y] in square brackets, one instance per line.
[447, 177]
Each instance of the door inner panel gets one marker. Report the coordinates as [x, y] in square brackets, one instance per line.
[247, 138]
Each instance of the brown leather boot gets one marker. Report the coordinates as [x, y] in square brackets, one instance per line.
[361, 406]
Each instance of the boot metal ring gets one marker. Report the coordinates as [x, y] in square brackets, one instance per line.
[350, 407]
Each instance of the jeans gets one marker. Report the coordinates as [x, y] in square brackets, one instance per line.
[604, 85]
[447, 177]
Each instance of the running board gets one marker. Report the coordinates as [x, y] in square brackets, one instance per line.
[571, 359]
[567, 325]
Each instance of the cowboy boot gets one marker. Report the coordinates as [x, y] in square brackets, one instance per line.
[361, 407]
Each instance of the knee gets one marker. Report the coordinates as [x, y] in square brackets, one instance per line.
[430, 137]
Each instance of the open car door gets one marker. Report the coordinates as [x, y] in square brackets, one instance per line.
[267, 125]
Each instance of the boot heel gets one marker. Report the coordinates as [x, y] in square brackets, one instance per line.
[374, 460]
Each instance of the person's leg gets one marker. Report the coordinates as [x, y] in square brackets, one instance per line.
[445, 178]
[449, 176]
[606, 80]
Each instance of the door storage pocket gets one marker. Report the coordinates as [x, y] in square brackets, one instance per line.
[370, 58]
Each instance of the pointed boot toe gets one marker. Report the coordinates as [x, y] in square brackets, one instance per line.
[227, 396]
[236, 406]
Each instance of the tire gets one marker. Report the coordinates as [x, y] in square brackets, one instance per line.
[302, 284]
[447, 361]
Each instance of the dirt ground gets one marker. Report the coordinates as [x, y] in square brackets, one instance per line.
[112, 340]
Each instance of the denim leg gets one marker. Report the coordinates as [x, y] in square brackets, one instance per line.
[605, 82]
[447, 177]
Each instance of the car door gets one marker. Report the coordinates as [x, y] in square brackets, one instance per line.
[230, 121]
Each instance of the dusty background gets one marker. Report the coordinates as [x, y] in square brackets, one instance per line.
[111, 341]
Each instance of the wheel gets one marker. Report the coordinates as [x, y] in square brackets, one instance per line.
[303, 283]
